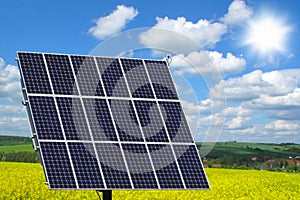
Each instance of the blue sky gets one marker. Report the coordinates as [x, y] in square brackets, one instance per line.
[235, 63]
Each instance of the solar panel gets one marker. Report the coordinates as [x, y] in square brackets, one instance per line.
[108, 123]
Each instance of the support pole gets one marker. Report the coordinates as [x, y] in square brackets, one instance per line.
[107, 194]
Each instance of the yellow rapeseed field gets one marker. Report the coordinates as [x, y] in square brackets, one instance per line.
[26, 181]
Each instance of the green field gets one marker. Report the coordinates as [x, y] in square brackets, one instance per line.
[234, 149]
[13, 140]
[17, 148]
[243, 149]
[15, 144]
[26, 181]
[221, 149]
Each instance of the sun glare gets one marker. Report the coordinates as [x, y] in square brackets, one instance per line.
[267, 34]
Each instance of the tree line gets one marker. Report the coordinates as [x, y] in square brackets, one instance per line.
[28, 157]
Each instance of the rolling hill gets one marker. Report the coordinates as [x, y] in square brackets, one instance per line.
[221, 149]
[244, 149]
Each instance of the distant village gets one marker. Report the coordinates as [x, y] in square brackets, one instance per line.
[290, 164]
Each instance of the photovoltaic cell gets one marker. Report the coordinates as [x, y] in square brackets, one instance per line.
[46, 118]
[87, 76]
[100, 120]
[175, 122]
[108, 123]
[113, 166]
[57, 165]
[151, 121]
[73, 119]
[125, 120]
[137, 79]
[112, 77]
[161, 79]
[139, 166]
[190, 166]
[34, 73]
[61, 74]
[165, 166]
[86, 165]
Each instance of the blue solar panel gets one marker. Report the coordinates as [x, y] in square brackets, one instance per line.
[86, 166]
[113, 165]
[151, 121]
[34, 73]
[161, 79]
[99, 119]
[87, 76]
[61, 74]
[137, 78]
[57, 165]
[73, 119]
[108, 123]
[125, 120]
[165, 166]
[46, 118]
[112, 77]
[175, 122]
[190, 166]
[139, 165]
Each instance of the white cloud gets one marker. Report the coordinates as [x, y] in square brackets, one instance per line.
[208, 62]
[216, 120]
[281, 128]
[255, 130]
[2, 63]
[253, 85]
[192, 108]
[291, 56]
[236, 111]
[237, 123]
[9, 81]
[262, 134]
[289, 101]
[114, 22]
[14, 126]
[234, 118]
[282, 125]
[271, 60]
[238, 12]
[10, 110]
[204, 106]
[294, 73]
[260, 95]
[174, 33]
[13, 120]
[12, 117]
[237, 117]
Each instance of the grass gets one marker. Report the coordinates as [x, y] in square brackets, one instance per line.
[15, 144]
[17, 148]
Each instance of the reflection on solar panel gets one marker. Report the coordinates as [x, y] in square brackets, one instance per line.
[108, 123]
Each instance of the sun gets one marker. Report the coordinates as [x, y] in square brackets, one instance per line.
[267, 34]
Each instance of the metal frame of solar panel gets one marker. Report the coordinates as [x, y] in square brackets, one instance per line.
[105, 123]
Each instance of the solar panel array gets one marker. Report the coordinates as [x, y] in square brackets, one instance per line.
[108, 123]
